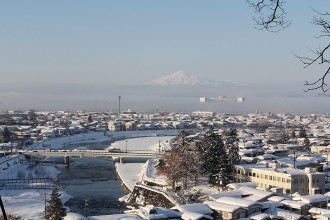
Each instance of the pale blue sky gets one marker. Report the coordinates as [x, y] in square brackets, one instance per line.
[131, 42]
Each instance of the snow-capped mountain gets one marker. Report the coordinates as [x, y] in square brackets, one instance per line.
[181, 78]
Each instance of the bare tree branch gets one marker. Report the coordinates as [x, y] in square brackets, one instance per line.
[320, 53]
[323, 85]
[275, 20]
[272, 18]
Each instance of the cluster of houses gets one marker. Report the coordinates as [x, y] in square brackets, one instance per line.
[274, 175]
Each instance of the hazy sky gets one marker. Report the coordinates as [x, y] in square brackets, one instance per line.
[67, 54]
[125, 42]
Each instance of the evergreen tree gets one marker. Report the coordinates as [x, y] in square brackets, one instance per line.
[210, 151]
[307, 145]
[302, 133]
[55, 209]
[5, 135]
[90, 120]
[225, 175]
[284, 136]
[231, 145]
[32, 117]
[229, 157]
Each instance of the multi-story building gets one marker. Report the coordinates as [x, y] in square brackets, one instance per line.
[281, 180]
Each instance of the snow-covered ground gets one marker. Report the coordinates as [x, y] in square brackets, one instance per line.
[93, 137]
[30, 203]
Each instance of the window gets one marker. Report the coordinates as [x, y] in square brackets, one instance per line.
[288, 181]
[278, 179]
[250, 174]
[270, 177]
[317, 180]
[313, 181]
[300, 180]
[295, 181]
[254, 174]
[238, 172]
[262, 176]
[283, 180]
[266, 177]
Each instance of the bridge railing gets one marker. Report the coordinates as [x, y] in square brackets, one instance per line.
[87, 152]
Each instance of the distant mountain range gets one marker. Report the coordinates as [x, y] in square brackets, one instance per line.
[181, 78]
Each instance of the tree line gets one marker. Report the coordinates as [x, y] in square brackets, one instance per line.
[213, 156]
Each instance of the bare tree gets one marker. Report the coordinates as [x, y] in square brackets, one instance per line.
[275, 20]
[272, 17]
[11, 216]
[173, 165]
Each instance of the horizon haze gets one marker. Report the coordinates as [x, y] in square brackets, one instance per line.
[83, 54]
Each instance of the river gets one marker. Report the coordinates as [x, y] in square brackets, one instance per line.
[93, 179]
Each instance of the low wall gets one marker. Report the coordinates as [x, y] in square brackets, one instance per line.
[142, 195]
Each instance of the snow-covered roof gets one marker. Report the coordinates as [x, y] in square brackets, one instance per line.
[194, 208]
[313, 198]
[259, 216]
[167, 212]
[240, 185]
[223, 206]
[194, 216]
[276, 198]
[111, 217]
[295, 204]
[237, 201]
[319, 211]
[248, 193]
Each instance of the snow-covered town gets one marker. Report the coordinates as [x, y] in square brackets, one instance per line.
[281, 171]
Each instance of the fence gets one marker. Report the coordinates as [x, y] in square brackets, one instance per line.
[38, 162]
[33, 183]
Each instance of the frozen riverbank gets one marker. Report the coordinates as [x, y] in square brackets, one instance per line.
[27, 200]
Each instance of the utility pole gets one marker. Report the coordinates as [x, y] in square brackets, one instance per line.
[119, 97]
[86, 204]
[294, 159]
[327, 167]
[3, 210]
[45, 204]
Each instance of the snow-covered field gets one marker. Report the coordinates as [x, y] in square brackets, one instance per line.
[30, 203]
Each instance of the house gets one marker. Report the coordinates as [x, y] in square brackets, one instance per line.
[227, 211]
[194, 211]
[249, 205]
[300, 208]
[319, 200]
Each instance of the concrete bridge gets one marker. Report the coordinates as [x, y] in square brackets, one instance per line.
[95, 153]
